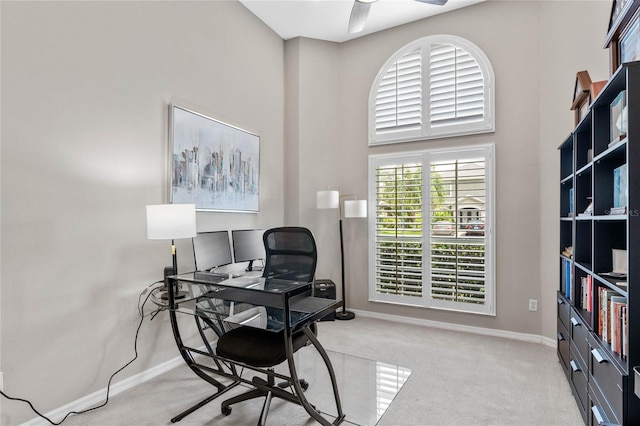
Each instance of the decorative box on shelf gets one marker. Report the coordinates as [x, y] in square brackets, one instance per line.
[581, 96]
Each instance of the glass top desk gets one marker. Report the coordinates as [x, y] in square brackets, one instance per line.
[292, 309]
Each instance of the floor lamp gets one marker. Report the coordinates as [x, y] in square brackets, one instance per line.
[171, 222]
[330, 199]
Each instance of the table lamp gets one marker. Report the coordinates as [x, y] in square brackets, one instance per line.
[330, 199]
[171, 222]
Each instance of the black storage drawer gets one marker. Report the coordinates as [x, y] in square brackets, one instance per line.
[580, 335]
[563, 310]
[610, 381]
[580, 384]
[599, 411]
[563, 346]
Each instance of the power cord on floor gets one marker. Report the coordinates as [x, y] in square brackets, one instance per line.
[135, 349]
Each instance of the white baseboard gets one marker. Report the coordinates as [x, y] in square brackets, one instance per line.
[98, 397]
[533, 338]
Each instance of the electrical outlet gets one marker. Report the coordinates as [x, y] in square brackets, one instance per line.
[533, 305]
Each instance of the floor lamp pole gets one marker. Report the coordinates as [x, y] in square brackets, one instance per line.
[344, 314]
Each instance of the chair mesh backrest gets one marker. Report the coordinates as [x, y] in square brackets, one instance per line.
[290, 254]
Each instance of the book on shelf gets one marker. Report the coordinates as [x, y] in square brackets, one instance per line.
[615, 323]
[567, 278]
[617, 210]
[604, 313]
[586, 291]
[625, 332]
[612, 320]
[590, 299]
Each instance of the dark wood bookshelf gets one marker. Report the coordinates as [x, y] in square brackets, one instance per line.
[592, 333]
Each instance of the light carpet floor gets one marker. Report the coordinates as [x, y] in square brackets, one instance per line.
[457, 379]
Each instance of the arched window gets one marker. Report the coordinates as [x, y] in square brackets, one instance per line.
[437, 86]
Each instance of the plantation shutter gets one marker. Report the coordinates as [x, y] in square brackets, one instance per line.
[432, 243]
[398, 229]
[434, 87]
[398, 103]
[457, 260]
[456, 86]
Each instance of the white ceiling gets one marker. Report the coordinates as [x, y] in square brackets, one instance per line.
[328, 19]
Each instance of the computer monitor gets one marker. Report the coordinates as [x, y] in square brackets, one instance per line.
[248, 246]
[211, 249]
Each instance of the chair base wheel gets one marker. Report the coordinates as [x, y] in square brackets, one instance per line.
[226, 410]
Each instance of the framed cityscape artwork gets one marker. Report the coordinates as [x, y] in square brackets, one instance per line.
[212, 164]
[622, 33]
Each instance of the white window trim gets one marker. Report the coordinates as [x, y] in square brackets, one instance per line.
[426, 131]
[425, 157]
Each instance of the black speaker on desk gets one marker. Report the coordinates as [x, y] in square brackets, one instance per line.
[325, 289]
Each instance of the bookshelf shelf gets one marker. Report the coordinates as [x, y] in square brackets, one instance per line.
[599, 311]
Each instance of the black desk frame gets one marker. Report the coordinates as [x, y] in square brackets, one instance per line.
[290, 298]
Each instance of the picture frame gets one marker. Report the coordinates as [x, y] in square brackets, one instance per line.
[630, 42]
[619, 262]
[617, 9]
[623, 13]
[618, 118]
[212, 164]
[620, 188]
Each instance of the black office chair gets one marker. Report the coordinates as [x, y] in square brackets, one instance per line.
[290, 254]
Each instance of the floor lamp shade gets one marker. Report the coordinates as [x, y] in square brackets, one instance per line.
[355, 208]
[328, 199]
[171, 221]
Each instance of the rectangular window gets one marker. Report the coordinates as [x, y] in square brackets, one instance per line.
[445, 261]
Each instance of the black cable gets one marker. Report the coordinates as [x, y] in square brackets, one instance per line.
[135, 349]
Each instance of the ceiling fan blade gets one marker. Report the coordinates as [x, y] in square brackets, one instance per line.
[436, 2]
[358, 18]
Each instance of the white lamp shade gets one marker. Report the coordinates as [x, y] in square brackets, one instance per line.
[171, 221]
[355, 208]
[328, 199]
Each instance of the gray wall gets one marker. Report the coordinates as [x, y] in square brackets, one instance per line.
[566, 47]
[85, 88]
[535, 48]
